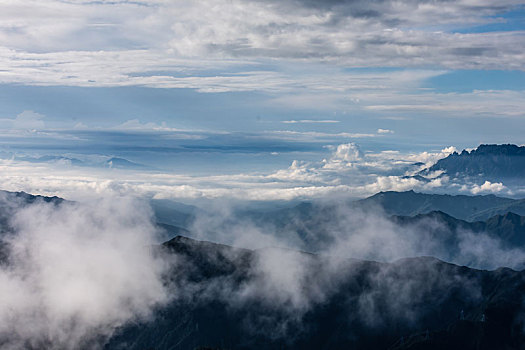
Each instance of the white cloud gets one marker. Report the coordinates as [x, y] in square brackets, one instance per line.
[308, 135]
[488, 187]
[384, 131]
[310, 121]
[289, 29]
[95, 43]
[348, 152]
[77, 272]
[27, 120]
[347, 172]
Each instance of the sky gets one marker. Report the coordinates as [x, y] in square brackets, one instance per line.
[224, 102]
[258, 99]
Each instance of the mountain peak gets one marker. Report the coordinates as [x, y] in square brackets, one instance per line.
[487, 162]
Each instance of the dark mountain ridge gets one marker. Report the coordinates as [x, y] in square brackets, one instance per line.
[411, 303]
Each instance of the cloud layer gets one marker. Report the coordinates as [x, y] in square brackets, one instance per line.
[347, 172]
[162, 44]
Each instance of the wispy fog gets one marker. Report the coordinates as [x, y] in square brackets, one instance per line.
[75, 272]
[343, 230]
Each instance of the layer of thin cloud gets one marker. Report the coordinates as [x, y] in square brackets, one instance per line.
[348, 172]
[310, 121]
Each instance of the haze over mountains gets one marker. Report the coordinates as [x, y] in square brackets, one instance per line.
[224, 297]
[396, 270]
[345, 170]
[470, 208]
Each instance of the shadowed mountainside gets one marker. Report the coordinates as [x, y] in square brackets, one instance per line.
[412, 303]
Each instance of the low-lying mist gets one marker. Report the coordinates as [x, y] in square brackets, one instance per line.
[73, 274]
[76, 271]
[346, 231]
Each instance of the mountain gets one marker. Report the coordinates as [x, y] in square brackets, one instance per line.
[488, 162]
[52, 159]
[121, 163]
[10, 201]
[223, 300]
[22, 198]
[173, 213]
[408, 203]
[463, 207]
[509, 229]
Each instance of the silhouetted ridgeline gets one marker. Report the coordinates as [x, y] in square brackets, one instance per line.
[492, 162]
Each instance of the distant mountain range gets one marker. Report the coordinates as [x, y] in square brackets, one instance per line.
[488, 162]
[501, 218]
[121, 163]
[470, 208]
[417, 303]
[408, 203]
[508, 228]
[112, 162]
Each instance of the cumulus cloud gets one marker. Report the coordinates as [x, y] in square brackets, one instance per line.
[487, 187]
[347, 152]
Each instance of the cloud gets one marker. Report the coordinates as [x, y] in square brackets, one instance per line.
[385, 131]
[76, 272]
[347, 171]
[27, 120]
[309, 121]
[292, 283]
[308, 135]
[487, 187]
[160, 44]
[347, 152]
[135, 124]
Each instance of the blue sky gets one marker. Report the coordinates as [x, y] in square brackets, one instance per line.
[235, 87]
